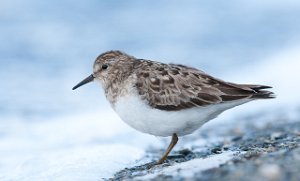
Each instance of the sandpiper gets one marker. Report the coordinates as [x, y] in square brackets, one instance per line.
[166, 99]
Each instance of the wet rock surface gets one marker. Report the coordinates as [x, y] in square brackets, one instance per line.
[266, 151]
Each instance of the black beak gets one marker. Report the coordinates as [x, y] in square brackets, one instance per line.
[85, 81]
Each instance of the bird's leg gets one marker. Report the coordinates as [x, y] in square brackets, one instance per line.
[171, 146]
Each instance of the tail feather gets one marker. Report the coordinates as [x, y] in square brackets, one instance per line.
[263, 95]
[260, 93]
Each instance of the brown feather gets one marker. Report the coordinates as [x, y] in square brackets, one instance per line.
[169, 87]
[174, 87]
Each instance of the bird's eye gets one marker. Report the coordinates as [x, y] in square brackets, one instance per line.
[104, 66]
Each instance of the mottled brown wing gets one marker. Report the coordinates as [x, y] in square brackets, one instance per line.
[174, 87]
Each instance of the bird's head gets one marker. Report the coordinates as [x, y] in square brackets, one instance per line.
[109, 66]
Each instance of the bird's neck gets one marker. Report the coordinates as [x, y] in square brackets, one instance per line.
[117, 85]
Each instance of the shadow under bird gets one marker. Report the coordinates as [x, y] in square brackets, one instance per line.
[166, 99]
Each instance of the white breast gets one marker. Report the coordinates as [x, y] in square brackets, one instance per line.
[139, 115]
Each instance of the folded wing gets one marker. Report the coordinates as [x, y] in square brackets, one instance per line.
[175, 87]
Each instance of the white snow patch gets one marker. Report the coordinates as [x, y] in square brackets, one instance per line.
[88, 146]
[84, 163]
[189, 168]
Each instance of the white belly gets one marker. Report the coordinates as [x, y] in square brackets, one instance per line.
[142, 117]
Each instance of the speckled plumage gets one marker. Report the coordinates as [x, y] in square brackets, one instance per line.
[169, 87]
[166, 99]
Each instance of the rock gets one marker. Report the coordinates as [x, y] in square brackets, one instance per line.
[216, 150]
[277, 135]
[269, 152]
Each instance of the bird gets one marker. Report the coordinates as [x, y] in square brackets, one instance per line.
[166, 99]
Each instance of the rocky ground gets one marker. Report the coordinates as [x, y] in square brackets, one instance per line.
[263, 150]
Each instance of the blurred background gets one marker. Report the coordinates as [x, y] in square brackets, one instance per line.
[49, 46]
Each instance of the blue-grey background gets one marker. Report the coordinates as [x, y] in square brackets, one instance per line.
[48, 46]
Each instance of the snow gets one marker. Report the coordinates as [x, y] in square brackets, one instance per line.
[189, 168]
[69, 148]
[83, 163]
